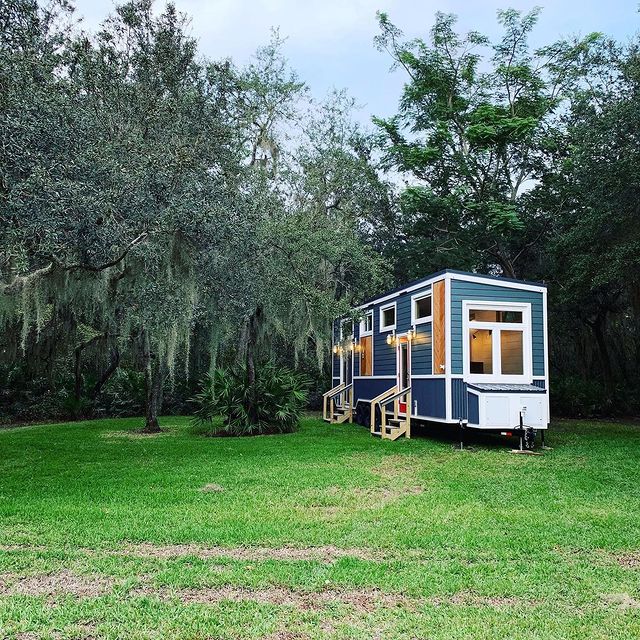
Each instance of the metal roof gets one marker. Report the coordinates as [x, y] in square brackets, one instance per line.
[502, 388]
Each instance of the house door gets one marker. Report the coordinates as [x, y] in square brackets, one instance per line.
[403, 368]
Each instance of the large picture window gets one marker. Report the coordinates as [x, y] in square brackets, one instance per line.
[497, 339]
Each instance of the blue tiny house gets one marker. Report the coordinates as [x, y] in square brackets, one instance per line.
[455, 348]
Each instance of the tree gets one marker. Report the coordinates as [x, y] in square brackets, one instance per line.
[153, 197]
[595, 264]
[476, 124]
[124, 165]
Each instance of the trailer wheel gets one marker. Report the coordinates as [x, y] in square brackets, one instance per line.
[529, 438]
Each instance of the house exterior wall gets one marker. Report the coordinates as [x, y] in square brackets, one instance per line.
[421, 351]
[463, 290]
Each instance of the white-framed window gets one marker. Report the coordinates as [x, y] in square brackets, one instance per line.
[496, 341]
[388, 317]
[421, 308]
[366, 324]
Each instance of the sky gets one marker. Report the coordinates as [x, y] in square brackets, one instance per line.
[330, 42]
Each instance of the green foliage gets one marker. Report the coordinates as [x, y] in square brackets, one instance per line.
[153, 198]
[574, 396]
[473, 129]
[279, 395]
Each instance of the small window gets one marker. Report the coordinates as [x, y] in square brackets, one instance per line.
[421, 311]
[490, 315]
[388, 317]
[366, 324]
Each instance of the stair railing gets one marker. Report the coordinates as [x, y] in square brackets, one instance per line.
[396, 398]
[376, 403]
[329, 400]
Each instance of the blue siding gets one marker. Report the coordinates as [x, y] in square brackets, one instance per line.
[463, 290]
[458, 399]
[474, 408]
[369, 388]
[403, 313]
[421, 361]
[384, 356]
[430, 395]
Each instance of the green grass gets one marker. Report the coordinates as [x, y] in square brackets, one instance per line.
[439, 543]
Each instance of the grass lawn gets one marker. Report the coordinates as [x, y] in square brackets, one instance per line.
[326, 533]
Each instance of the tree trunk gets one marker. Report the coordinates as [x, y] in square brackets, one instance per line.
[77, 373]
[106, 374]
[153, 380]
[252, 340]
[77, 380]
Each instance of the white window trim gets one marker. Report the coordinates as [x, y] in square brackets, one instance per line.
[391, 327]
[524, 326]
[414, 299]
[362, 324]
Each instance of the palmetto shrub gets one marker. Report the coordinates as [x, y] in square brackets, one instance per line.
[228, 405]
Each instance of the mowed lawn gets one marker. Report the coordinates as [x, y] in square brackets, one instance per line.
[325, 533]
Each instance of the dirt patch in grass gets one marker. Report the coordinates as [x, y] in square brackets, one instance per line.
[470, 599]
[621, 600]
[398, 466]
[361, 600]
[138, 434]
[326, 554]
[52, 584]
[628, 560]
[212, 487]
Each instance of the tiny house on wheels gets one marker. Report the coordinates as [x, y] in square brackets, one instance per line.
[456, 348]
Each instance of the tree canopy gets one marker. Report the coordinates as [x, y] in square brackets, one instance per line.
[161, 213]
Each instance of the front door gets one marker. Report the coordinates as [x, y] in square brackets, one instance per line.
[403, 368]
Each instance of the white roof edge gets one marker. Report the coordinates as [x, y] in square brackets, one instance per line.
[453, 276]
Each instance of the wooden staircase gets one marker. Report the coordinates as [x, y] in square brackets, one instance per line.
[337, 404]
[392, 424]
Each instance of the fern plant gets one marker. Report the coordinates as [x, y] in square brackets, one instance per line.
[273, 405]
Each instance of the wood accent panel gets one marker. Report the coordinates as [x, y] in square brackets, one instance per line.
[439, 328]
[366, 356]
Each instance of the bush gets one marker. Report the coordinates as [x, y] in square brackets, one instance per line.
[578, 398]
[277, 400]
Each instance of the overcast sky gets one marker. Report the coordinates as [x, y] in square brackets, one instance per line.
[330, 42]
